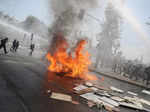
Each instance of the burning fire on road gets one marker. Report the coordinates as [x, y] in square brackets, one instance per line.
[72, 63]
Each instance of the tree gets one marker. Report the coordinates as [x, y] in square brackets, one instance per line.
[108, 36]
[34, 25]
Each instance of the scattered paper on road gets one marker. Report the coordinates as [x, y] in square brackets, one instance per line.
[60, 96]
[80, 87]
[91, 97]
[96, 99]
[87, 90]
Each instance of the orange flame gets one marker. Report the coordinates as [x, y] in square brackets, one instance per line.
[73, 64]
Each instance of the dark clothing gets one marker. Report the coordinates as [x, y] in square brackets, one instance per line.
[13, 45]
[147, 71]
[17, 45]
[32, 46]
[3, 44]
[4, 47]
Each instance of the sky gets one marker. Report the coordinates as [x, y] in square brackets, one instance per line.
[132, 43]
[20, 9]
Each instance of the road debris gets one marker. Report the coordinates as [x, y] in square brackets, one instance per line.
[102, 93]
[145, 102]
[132, 93]
[110, 101]
[80, 87]
[60, 96]
[146, 110]
[101, 87]
[116, 89]
[88, 84]
[75, 102]
[134, 100]
[146, 92]
[110, 98]
[49, 91]
[94, 88]
[103, 98]
[116, 98]
[97, 100]
[87, 90]
[91, 104]
[131, 105]
[91, 97]
[111, 109]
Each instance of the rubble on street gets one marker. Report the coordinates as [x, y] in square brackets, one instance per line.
[111, 99]
[97, 96]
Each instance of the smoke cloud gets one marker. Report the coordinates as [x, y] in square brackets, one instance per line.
[68, 16]
[59, 6]
[69, 13]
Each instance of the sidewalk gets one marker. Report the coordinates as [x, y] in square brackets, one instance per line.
[121, 78]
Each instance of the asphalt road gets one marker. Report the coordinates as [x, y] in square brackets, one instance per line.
[24, 82]
[23, 85]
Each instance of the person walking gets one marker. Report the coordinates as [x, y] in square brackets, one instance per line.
[32, 46]
[3, 44]
[17, 46]
[13, 45]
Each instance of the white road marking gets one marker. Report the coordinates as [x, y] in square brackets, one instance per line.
[15, 62]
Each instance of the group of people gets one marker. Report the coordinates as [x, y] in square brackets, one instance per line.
[15, 46]
[136, 71]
